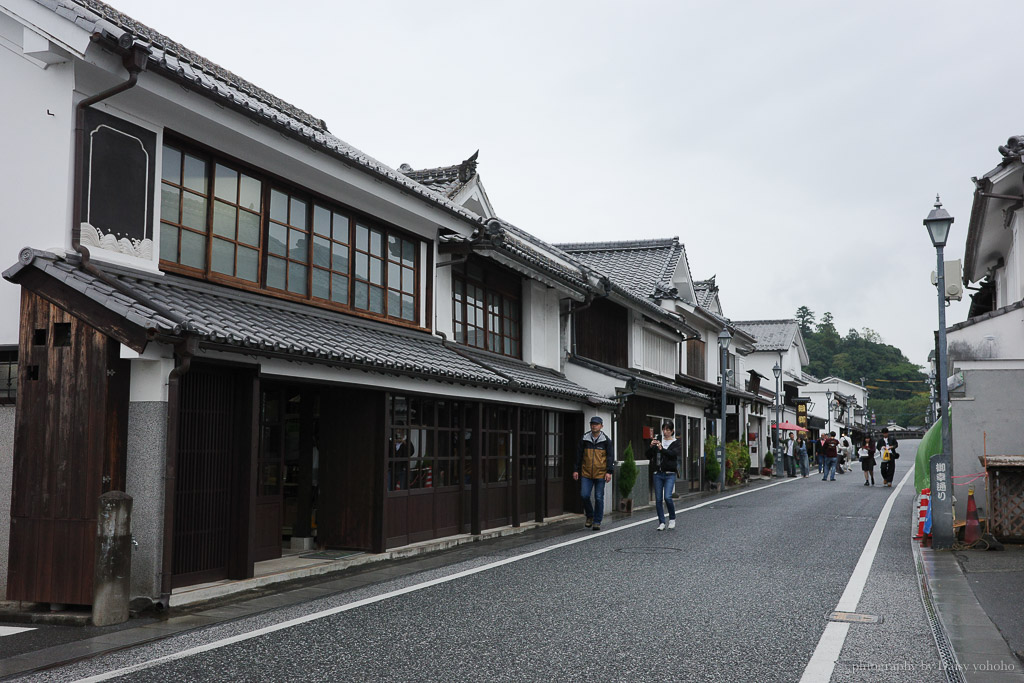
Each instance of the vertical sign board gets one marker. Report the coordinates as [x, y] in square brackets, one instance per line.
[801, 415]
[942, 501]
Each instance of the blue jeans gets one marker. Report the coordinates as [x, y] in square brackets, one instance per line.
[595, 511]
[830, 468]
[804, 465]
[664, 483]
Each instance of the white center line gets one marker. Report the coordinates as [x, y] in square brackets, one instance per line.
[116, 673]
[11, 630]
[823, 661]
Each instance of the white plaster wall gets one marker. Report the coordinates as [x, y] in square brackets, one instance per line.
[35, 167]
[540, 325]
[998, 337]
[7, 413]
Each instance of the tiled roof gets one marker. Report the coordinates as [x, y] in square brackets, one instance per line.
[648, 382]
[533, 377]
[232, 319]
[444, 180]
[644, 267]
[177, 62]
[705, 291]
[771, 335]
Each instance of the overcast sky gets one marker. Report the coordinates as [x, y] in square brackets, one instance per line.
[793, 147]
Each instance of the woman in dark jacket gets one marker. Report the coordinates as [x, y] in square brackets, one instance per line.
[664, 453]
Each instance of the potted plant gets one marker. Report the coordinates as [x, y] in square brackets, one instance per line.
[769, 459]
[627, 479]
[712, 468]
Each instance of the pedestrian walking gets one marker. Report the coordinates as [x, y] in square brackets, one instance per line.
[595, 460]
[830, 447]
[887, 446]
[664, 454]
[845, 452]
[867, 460]
[801, 449]
[820, 449]
[790, 455]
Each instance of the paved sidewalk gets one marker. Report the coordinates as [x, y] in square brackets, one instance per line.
[979, 611]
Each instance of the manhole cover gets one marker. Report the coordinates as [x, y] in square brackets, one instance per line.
[648, 551]
[854, 617]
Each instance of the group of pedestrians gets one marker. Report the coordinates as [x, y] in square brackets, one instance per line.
[595, 461]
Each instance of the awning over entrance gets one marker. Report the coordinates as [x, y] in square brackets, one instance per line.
[230, 320]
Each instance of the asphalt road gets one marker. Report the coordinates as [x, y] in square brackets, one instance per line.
[739, 591]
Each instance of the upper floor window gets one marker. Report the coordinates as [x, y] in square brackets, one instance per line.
[486, 310]
[224, 222]
[695, 359]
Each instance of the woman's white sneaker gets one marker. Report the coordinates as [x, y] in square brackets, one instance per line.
[671, 524]
[661, 527]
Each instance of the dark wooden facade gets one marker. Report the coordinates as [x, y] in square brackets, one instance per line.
[602, 333]
[69, 448]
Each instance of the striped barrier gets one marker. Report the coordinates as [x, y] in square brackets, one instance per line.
[922, 513]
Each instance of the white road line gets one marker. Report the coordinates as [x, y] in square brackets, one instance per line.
[11, 630]
[823, 661]
[395, 593]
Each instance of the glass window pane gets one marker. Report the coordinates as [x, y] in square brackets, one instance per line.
[224, 216]
[376, 299]
[361, 295]
[276, 238]
[341, 228]
[278, 206]
[321, 283]
[408, 280]
[321, 220]
[376, 271]
[362, 266]
[298, 247]
[193, 212]
[171, 165]
[249, 192]
[394, 275]
[339, 288]
[408, 308]
[193, 249]
[408, 253]
[275, 273]
[249, 228]
[223, 258]
[170, 198]
[376, 243]
[362, 237]
[248, 264]
[339, 261]
[296, 278]
[168, 242]
[394, 248]
[225, 183]
[195, 174]
[394, 302]
[321, 252]
[298, 215]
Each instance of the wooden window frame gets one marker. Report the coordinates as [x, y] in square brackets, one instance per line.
[495, 291]
[212, 158]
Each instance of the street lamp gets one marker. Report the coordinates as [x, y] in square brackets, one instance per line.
[723, 343]
[828, 408]
[777, 370]
[938, 223]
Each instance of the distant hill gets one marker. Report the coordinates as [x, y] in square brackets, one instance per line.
[899, 389]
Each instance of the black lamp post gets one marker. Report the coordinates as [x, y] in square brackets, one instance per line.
[938, 223]
[723, 343]
[828, 405]
[777, 370]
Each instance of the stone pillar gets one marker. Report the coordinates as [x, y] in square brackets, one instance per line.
[113, 569]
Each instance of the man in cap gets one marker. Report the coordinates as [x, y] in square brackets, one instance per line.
[595, 460]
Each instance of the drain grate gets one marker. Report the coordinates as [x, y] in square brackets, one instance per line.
[949, 661]
[648, 550]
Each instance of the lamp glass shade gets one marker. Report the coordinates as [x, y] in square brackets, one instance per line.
[724, 338]
[938, 223]
[828, 395]
[777, 370]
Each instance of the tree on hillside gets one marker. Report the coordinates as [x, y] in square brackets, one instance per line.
[805, 317]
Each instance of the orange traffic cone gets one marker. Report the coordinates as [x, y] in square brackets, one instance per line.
[922, 513]
[972, 530]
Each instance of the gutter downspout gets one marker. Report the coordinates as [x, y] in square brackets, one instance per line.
[185, 349]
[134, 58]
